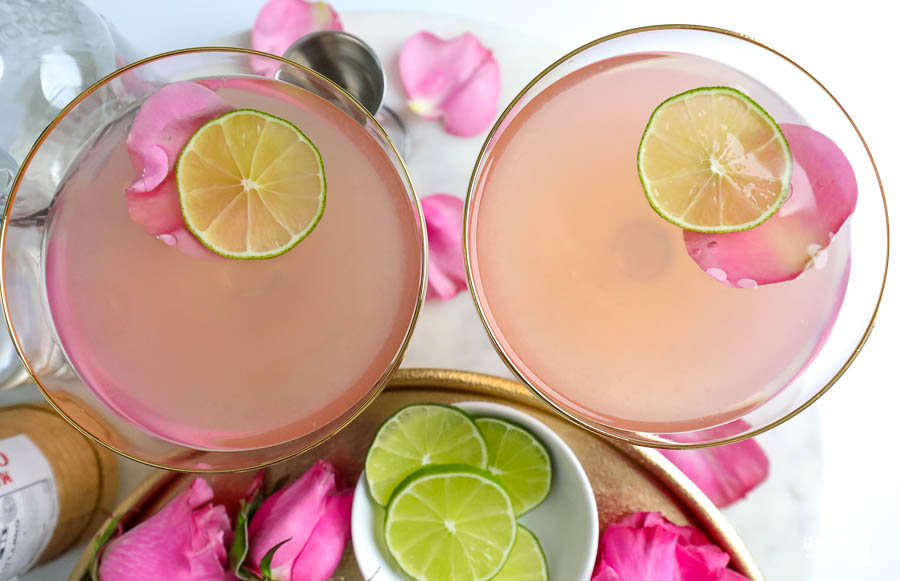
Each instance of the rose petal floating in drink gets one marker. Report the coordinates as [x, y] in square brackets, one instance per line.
[185, 540]
[645, 546]
[446, 267]
[456, 80]
[162, 127]
[724, 473]
[281, 22]
[823, 195]
[159, 213]
[312, 516]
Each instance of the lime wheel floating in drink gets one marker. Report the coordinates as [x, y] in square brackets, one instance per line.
[712, 160]
[251, 185]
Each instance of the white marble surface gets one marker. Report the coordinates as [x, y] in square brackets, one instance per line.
[829, 509]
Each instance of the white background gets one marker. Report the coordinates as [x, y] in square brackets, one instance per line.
[831, 508]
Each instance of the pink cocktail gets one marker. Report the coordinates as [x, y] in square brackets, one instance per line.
[247, 360]
[596, 302]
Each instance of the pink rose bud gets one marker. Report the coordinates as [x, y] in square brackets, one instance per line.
[646, 547]
[823, 195]
[322, 553]
[456, 80]
[281, 22]
[185, 541]
[161, 129]
[446, 267]
[292, 513]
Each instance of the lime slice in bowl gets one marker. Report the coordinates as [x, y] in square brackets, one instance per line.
[712, 160]
[417, 436]
[526, 562]
[250, 185]
[518, 460]
[450, 522]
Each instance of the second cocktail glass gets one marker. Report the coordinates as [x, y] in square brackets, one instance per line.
[609, 312]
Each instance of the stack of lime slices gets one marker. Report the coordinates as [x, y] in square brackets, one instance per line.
[453, 487]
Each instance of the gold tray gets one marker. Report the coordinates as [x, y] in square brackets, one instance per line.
[626, 478]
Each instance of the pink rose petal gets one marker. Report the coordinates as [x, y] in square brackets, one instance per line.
[446, 266]
[161, 129]
[184, 541]
[823, 196]
[291, 513]
[647, 547]
[281, 22]
[322, 553]
[457, 80]
[163, 126]
[632, 553]
[724, 473]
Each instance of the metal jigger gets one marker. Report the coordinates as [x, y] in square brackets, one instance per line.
[352, 64]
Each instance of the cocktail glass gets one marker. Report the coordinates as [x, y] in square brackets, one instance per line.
[592, 299]
[93, 327]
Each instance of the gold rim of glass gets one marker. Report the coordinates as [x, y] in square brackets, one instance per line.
[382, 381]
[559, 409]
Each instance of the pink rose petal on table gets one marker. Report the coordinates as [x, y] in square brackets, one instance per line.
[446, 266]
[184, 541]
[291, 513]
[724, 473]
[823, 195]
[281, 22]
[457, 80]
[647, 547]
[322, 553]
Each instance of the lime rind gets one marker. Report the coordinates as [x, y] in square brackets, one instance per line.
[395, 453]
[494, 547]
[297, 238]
[527, 492]
[777, 132]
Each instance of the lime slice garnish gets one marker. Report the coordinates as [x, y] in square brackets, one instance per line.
[421, 435]
[251, 185]
[518, 460]
[526, 562]
[712, 160]
[450, 522]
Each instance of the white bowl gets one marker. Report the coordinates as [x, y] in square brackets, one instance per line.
[565, 523]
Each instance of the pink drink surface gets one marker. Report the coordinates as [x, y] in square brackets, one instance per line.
[593, 296]
[237, 354]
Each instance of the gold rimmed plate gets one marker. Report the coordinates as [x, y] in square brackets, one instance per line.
[625, 478]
